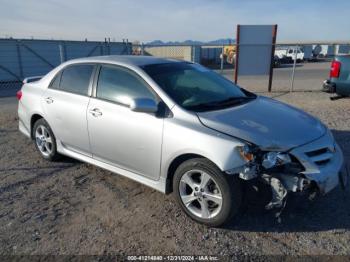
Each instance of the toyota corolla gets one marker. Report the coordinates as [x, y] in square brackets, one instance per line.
[178, 127]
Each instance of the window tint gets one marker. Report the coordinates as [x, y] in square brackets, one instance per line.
[121, 85]
[56, 81]
[76, 79]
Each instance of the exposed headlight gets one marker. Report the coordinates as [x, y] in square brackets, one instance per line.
[246, 153]
[272, 159]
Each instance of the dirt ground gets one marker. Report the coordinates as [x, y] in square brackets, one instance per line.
[69, 207]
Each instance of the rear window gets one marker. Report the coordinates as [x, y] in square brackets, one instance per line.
[76, 79]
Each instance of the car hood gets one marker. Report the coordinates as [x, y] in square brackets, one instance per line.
[268, 123]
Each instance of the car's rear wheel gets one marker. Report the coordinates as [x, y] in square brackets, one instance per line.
[205, 193]
[45, 141]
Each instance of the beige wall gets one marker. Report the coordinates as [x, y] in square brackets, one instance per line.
[176, 52]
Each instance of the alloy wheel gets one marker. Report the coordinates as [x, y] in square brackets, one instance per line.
[200, 194]
[43, 140]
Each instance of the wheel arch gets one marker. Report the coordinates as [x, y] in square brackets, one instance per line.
[35, 117]
[175, 163]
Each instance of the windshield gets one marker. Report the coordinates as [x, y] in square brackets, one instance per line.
[195, 87]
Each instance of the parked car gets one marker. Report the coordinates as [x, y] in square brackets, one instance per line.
[339, 76]
[178, 127]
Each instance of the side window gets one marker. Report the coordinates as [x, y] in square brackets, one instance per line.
[55, 84]
[121, 85]
[76, 79]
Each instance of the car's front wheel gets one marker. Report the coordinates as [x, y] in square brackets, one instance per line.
[205, 193]
[45, 141]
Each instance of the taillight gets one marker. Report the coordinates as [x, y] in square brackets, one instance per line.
[335, 69]
[19, 94]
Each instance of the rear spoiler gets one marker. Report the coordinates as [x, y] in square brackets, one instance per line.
[31, 79]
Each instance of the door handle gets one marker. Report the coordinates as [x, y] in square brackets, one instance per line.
[95, 112]
[49, 100]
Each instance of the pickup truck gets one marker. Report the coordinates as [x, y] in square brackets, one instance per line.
[288, 54]
[339, 76]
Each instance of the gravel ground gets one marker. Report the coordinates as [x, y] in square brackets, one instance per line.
[69, 207]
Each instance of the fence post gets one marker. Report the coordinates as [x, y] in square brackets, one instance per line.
[142, 49]
[192, 53]
[101, 49]
[19, 57]
[127, 46]
[294, 65]
[273, 47]
[60, 46]
[222, 59]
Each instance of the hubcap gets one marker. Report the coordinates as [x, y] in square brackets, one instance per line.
[43, 140]
[200, 194]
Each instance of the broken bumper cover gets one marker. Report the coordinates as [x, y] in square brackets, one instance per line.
[323, 162]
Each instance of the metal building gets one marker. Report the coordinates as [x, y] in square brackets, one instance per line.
[187, 53]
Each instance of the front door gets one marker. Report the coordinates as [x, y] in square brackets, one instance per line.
[121, 137]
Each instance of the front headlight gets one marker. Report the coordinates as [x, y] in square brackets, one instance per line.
[272, 159]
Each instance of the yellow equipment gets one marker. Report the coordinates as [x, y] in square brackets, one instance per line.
[230, 53]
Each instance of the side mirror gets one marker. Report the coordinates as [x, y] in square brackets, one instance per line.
[145, 105]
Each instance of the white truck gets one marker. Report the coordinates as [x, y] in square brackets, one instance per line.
[288, 54]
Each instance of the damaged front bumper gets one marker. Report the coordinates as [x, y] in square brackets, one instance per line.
[323, 162]
[321, 170]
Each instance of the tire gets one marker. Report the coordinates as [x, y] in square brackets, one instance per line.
[44, 140]
[203, 199]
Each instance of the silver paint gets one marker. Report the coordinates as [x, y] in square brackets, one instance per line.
[142, 146]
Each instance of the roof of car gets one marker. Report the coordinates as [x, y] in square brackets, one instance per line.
[126, 59]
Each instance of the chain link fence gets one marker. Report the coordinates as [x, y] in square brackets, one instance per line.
[9, 88]
[296, 66]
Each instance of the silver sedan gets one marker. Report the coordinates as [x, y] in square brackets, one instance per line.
[178, 127]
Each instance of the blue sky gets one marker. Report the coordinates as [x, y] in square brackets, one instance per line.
[173, 20]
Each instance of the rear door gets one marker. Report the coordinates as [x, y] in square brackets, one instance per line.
[121, 137]
[65, 102]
